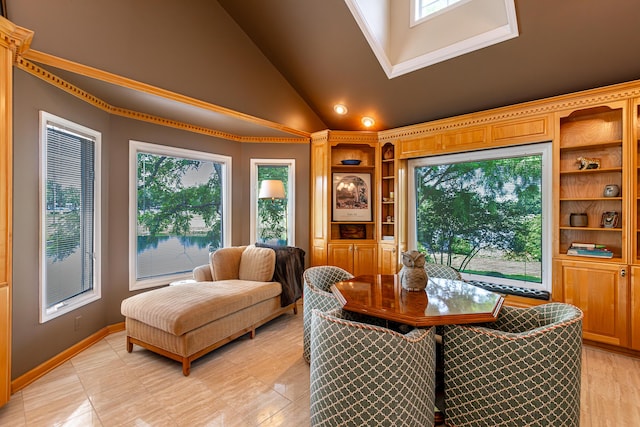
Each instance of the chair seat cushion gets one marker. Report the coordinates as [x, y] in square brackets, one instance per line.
[180, 309]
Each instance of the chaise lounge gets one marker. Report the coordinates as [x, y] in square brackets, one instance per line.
[232, 296]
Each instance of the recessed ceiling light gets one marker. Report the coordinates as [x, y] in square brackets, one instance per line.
[368, 122]
[340, 109]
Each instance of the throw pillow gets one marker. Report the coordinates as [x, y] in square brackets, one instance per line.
[225, 263]
[257, 264]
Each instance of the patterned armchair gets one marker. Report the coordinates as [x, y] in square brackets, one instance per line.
[317, 294]
[523, 369]
[443, 271]
[367, 375]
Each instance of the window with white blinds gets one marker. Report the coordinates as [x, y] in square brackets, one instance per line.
[70, 195]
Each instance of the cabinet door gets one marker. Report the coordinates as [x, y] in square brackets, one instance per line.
[600, 291]
[388, 259]
[341, 255]
[365, 259]
[635, 308]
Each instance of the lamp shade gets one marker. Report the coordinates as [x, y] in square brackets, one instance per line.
[271, 189]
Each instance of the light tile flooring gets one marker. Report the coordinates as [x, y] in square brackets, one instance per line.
[259, 382]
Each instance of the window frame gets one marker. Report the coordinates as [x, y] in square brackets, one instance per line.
[291, 192]
[136, 147]
[545, 150]
[73, 303]
[416, 7]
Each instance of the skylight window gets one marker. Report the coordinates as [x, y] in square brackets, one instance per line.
[424, 9]
[453, 28]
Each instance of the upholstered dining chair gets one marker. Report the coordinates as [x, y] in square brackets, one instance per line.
[523, 369]
[368, 375]
[441, 270]
[317, 294]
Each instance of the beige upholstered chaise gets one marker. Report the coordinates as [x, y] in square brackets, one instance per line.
[233, 296]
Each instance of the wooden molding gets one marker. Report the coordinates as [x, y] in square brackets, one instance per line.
[39, 371]
[24, 62]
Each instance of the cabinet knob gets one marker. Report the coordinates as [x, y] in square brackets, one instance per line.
[623, 272]
[393, 250]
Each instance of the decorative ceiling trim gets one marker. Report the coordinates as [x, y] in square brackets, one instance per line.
[591, 97]
[51, 78]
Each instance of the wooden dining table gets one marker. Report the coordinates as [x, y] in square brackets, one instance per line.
[443, 302]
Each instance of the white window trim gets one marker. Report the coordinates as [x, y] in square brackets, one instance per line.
[291, 225]
[544, 149]
[146, 147]
[96, 293]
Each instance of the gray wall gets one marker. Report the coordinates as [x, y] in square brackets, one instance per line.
[34, 343]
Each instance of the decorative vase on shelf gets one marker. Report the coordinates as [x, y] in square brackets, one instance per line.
[611, 190]
[578, 220]
[413, 276]
[388, 153]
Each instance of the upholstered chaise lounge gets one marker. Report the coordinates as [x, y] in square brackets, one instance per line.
[232, 296]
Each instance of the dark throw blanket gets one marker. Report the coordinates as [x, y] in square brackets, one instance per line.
[289, 269]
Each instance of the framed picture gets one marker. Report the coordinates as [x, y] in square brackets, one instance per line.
[351, 196]
[609, 219]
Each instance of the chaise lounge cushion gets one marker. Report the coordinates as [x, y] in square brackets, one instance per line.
[225, 263]
[180, 309]
[257, 264]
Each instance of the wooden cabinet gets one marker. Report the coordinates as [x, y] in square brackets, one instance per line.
[347, 200]
[387, 259]
[591, 157]
[600, 291]
[388, 212]
[591, 201]
[356, 258]
[634, 308]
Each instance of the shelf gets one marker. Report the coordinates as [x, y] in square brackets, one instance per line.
[592, 171]
[388, 177]
[568, 227]
[589, 199]
[591, 146]
[352, 168]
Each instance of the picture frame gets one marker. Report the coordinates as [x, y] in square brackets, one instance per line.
[609, 219]
[351, 196]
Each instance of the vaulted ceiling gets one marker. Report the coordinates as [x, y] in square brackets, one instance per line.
[563, 46]
[287, 62]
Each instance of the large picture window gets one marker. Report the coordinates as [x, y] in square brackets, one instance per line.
[180, 202]
[273, 219]
[486, 213]
[70, 216]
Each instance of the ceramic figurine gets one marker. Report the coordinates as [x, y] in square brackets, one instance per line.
[413, 276]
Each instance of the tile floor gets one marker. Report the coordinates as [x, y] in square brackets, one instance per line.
[260, 382]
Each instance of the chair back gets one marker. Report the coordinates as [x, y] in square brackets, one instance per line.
[364, 375]
[317, 294]
[442, 271]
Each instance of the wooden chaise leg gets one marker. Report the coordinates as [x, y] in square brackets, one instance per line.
[186, 366]
[252, 333]
[129, 345]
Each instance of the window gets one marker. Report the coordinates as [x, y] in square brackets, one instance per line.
[486, 213]
[273, 220]
[70, 216]
[180, 202]
[423, 9]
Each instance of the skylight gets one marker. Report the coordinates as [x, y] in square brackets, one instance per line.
[460, 27]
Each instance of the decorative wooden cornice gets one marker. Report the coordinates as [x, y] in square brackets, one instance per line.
[344, 137]
[574, 100]
[31, 68]
[16, 38]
